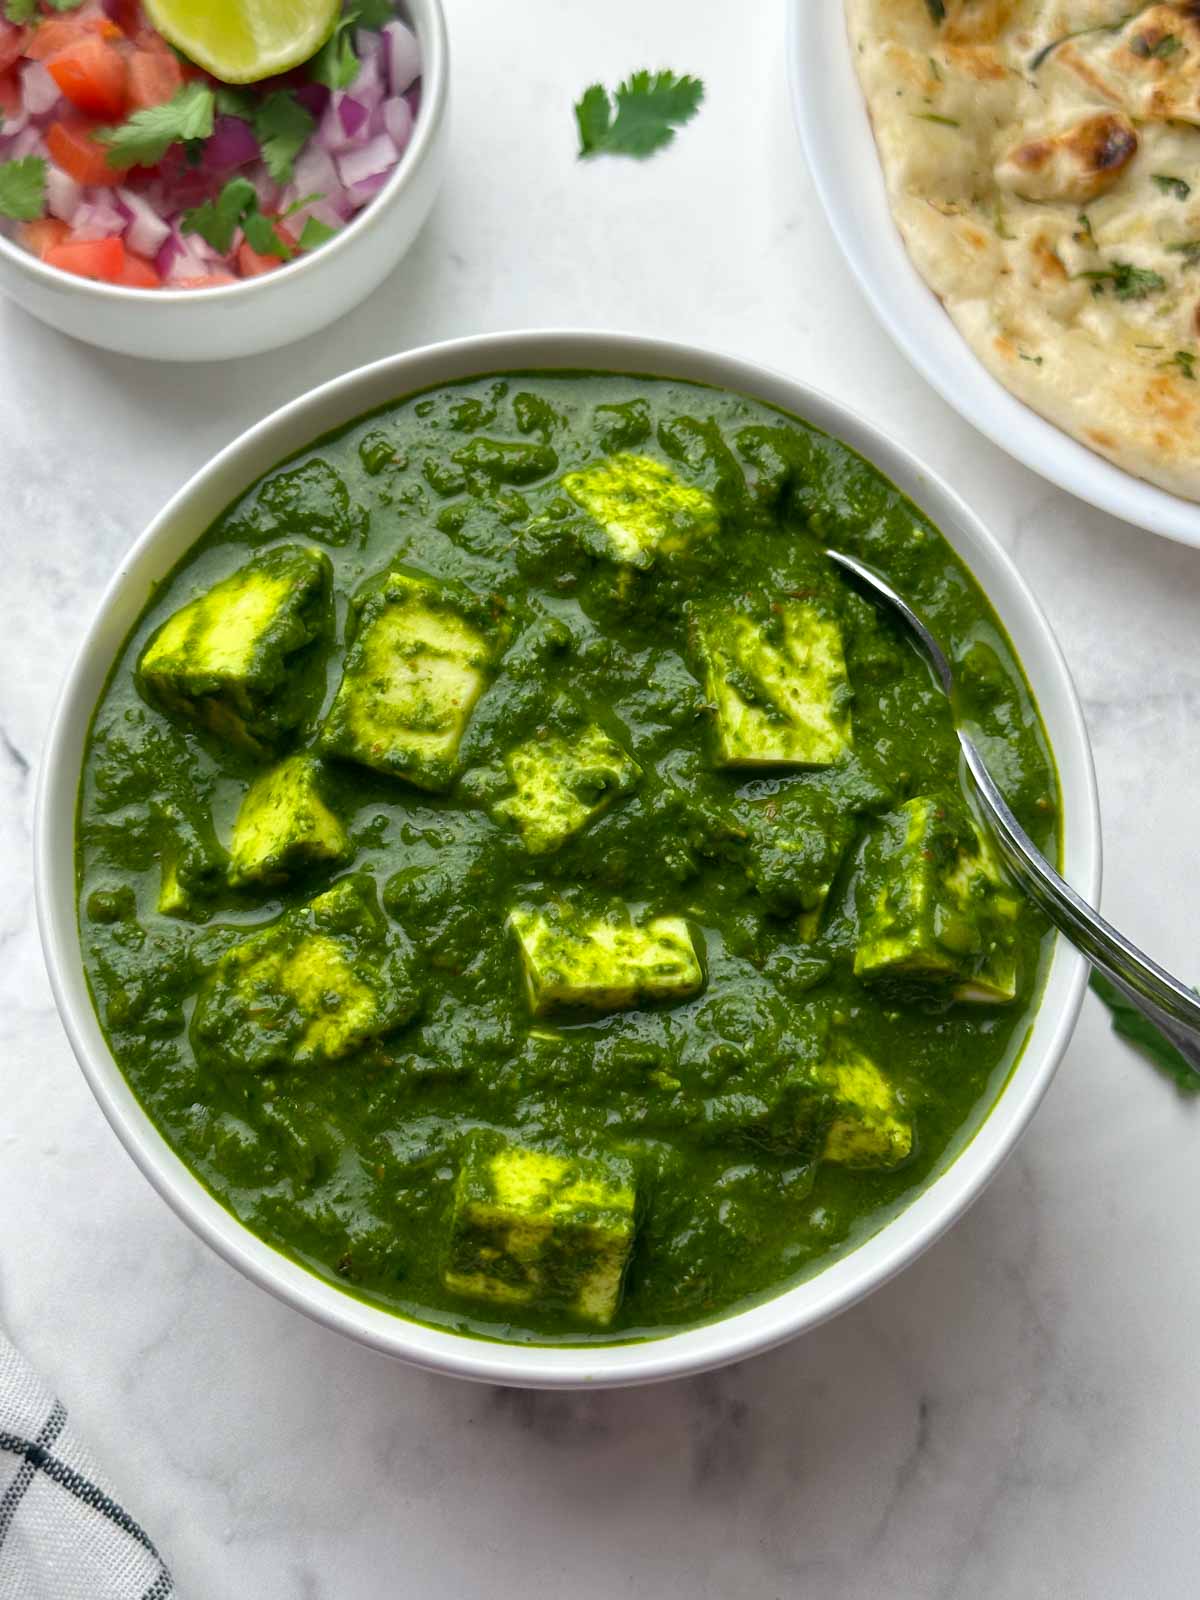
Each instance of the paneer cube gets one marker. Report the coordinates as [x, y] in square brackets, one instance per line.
[412, 677]
[844, 1111]
[797, 840]
[191, 862]
[317, 985]
[934, 907]
[605, 962]
[561, 784]
[233, 658]
[640, 508]
[548, 1232]
[284, 825]
[778, 687]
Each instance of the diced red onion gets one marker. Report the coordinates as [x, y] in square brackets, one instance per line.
[166, 257]
[360, 193]
[232, 144]
[413, 96]
[356, 166]
[145, 230]
[398, 122]
[63, 195]
[314, 171]
[404, 56]
[314, 97]
[39, 92]
[97, 219]
[353, 115]
[13, 125]
[369, 88]
[331, 134]
[26, 143]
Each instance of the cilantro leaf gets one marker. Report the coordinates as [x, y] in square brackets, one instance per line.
[316, 232]
[1185, 360]
[23, 188]
[20, 11]
[375, 13]
[149, 134]
[1128, 282]
[235, 207]
[649, 107]
[283, 128]
[1179, 187]
[335, 63]
[233, 102]
[937, 11]
[1130, 1024]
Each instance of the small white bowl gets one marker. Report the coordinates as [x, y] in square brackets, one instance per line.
[734, 1336]
[256, 314]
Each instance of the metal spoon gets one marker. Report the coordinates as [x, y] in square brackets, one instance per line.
[1172, 1007]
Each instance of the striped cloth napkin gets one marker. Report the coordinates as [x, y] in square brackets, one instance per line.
[62, 1535]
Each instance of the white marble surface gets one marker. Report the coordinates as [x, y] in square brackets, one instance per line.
[1014, 1417]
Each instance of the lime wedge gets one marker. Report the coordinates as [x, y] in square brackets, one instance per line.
[241, 41]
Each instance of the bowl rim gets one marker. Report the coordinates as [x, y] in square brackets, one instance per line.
[834, 128]
[430, 28]
[744, 1332]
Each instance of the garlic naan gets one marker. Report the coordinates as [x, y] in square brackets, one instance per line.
[1043, 163]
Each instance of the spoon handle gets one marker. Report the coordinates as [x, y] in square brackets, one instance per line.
[1165, 1002]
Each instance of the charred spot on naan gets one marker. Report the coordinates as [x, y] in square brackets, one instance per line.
[977, 21]
[1076, 163]
[1150, 67]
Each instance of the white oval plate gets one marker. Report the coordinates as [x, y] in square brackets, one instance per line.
[839, 145]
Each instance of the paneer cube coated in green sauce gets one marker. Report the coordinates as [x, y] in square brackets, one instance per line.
[778, 686]
[284, 825]
[605, 962]
[529, 1227]
[316, 986]
[935, 907]
[562, 783]
[230, 659]
[550, 909]
[413, 674]
[640, 509]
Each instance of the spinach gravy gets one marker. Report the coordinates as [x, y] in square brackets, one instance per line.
[528, 885]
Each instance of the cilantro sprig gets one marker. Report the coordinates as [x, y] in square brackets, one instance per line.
[1169, 184]
[236, 207]
[283, 127]
[1126, 281]
[640, 118]
[26, 10]
[1130, 1024]
[23, 188]
[146, 137]
[335, 63]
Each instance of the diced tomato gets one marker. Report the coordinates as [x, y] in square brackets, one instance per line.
[138, 273]
[93, 76]
[10, 94]
[12, 44]
[252, 265]
[73, 148]
[103, 259]
[53, 34]
[43, 235]
[154, 78]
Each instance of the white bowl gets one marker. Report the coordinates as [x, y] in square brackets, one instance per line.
[839, 145]
[242, 319]
[735, 1336]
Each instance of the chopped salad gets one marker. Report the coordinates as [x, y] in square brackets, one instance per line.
[123, 161]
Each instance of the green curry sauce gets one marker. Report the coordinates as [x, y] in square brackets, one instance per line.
[676, 737]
